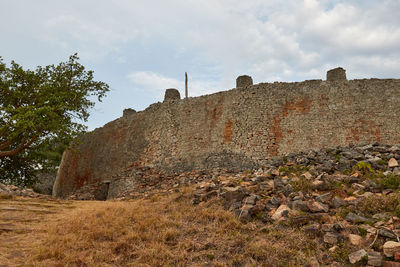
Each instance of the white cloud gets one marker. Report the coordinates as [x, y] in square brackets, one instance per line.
[157, 83]
[214, 40]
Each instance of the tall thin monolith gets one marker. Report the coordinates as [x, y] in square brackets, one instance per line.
[186, 85]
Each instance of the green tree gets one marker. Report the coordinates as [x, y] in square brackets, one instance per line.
[40, 113]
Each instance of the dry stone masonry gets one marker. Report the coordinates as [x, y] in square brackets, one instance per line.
[172, 94]
[243, 81]
[338, 74]
[239, 129]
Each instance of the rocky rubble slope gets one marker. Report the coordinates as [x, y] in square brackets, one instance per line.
[8, 191]
[347, 197]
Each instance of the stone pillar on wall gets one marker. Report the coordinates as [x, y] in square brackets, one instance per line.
[128, 111]
[171, 94]
[243, 81]
[337, 74]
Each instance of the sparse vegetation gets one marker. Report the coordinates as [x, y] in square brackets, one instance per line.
[302, 184]
[391, 181]
[341, 253]
[364, 167]
[294, 169]
[377, 204]
[166, 232]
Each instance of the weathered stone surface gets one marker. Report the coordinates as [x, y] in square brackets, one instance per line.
[312, 229]
[128, 112]
[354, 218]
[357, 256]
[317, 207]
[172, 94]
[390, 248]
[387, 233]
[282, 211]
[355, 239]
[236, 129]
[337, 202]
[45, 183]
[324, 198]
[243, 81]
[374, 258]
[234, 194]
[332, 238]
[393, 163]
[300, 205]
[337, 74]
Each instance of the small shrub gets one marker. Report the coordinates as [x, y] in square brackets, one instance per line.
[382, 162]
[378, 204]
[302, 184]
[390, 182]
[362, 231]
[341, 254]
[295, 169]
[346, 172]
[364, 167]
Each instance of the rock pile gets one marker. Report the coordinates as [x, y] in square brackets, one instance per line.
[347, 197]
[8, 191]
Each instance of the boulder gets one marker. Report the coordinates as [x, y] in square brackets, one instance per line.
[390, 248]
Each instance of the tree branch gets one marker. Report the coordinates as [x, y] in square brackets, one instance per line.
[4, 144]
[21, 147]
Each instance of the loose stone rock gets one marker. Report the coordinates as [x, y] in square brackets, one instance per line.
[307, 175]
[300, 205]
[374, 258]
[354, 218]
[387, 233]
[282, 211]
[233, 194]
[357, 256]
[390, 248]
[312, 229]
[355, 239]
[393, 163]
[337, 202]
[332, 238]
[317, 207]
[324, 198]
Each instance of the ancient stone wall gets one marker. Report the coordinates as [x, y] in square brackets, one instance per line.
[236, 129]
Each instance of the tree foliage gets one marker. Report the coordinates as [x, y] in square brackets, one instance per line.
[41, 112]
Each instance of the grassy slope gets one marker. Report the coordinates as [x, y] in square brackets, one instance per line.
[161, 231]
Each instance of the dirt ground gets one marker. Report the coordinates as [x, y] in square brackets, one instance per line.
[23, 224]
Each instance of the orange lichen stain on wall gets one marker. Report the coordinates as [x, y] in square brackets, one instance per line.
[302, 106]
[73, 172]
[117, 135]
[363, 128]
[213, 114]
[227, 136]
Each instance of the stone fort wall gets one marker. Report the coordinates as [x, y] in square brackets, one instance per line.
[236, 129]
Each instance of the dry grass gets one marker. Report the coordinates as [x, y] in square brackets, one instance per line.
[166, 231]
[385, 203]
[23, 226]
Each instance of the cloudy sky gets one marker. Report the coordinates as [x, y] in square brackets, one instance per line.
[142, 47]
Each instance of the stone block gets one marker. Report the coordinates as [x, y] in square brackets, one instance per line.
[337, 74]
[172, 94]
[243, 81]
